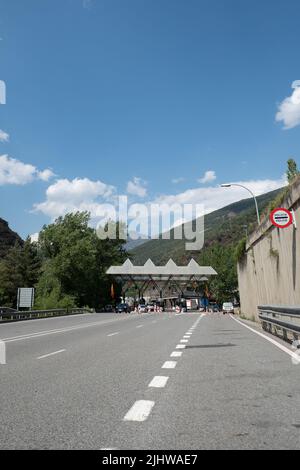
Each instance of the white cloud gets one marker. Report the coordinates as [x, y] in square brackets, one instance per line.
[4, 136]
[14, 171]
[289, 108]
[137, 187]
[178, 180]
[46, 175]
[215, 197]
[34, 237]
[208, 177]
[79, 194]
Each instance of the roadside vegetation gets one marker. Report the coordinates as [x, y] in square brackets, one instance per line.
[66, 266]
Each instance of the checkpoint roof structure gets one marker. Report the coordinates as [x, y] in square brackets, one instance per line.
[127, 271]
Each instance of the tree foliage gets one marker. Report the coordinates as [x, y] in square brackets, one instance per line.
[67, 266]
[292, 170]
[75, 261]
[19, 268]
[224, 286]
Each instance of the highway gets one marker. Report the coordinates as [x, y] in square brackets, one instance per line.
[151, 381]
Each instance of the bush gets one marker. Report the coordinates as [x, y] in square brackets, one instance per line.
[54, 300]
[240, 250]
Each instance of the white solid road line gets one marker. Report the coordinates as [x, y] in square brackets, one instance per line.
[169, 365]
[58, 330]
[51, 354]
[280, 346]
[159, 381]
[176, 354]
[180, 346]
[113, 334]
[139, 411]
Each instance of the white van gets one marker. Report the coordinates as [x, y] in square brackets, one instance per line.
[227, 307]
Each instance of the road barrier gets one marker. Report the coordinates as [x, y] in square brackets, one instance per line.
[9, 314]
[280, 320]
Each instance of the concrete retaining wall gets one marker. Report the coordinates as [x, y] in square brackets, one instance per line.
[270, 271]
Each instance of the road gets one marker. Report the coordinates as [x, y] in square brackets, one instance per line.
[107, 381]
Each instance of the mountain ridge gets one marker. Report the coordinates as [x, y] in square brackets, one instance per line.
[224, 227]
[8, 238]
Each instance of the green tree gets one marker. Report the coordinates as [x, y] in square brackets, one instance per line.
[20, 268]
[75, 261]
[224, 286]
[292, 170]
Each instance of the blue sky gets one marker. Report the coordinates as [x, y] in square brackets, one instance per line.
[144, 97]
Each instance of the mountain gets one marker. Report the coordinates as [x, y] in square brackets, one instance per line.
[8, 238]
[134, 240]
[223, 227]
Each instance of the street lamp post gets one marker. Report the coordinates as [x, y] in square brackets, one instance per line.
[228, 185]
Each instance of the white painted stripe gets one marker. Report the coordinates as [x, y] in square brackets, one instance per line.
[184, 340]
[2, 353]
[61, 330]
[187, 336]
[169, 365]
[140, 326]
[51, 354]
[139, 411]
[159, 381]
[113, 334]
[176, 354]
[278, 345]
[180, 346]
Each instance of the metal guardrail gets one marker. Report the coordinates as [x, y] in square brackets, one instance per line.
[281, 320]
[10, 315]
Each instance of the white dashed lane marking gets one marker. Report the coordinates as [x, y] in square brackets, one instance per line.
[169, 365]
[139, 411]
[51, 354]
[142, 408]
[176, 354]
[159, 381]
[113, 334]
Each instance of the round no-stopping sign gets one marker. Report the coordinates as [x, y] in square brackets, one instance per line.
[281, 217]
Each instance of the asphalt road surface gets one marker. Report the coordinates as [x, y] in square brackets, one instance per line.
[151, 381]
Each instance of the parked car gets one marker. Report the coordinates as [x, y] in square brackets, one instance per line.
[150, 307]
[227, 308]
[142, 308]
[109, 308]
[214, 307]
[123, 308]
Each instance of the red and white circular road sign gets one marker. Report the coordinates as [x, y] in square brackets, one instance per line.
[281, 217]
